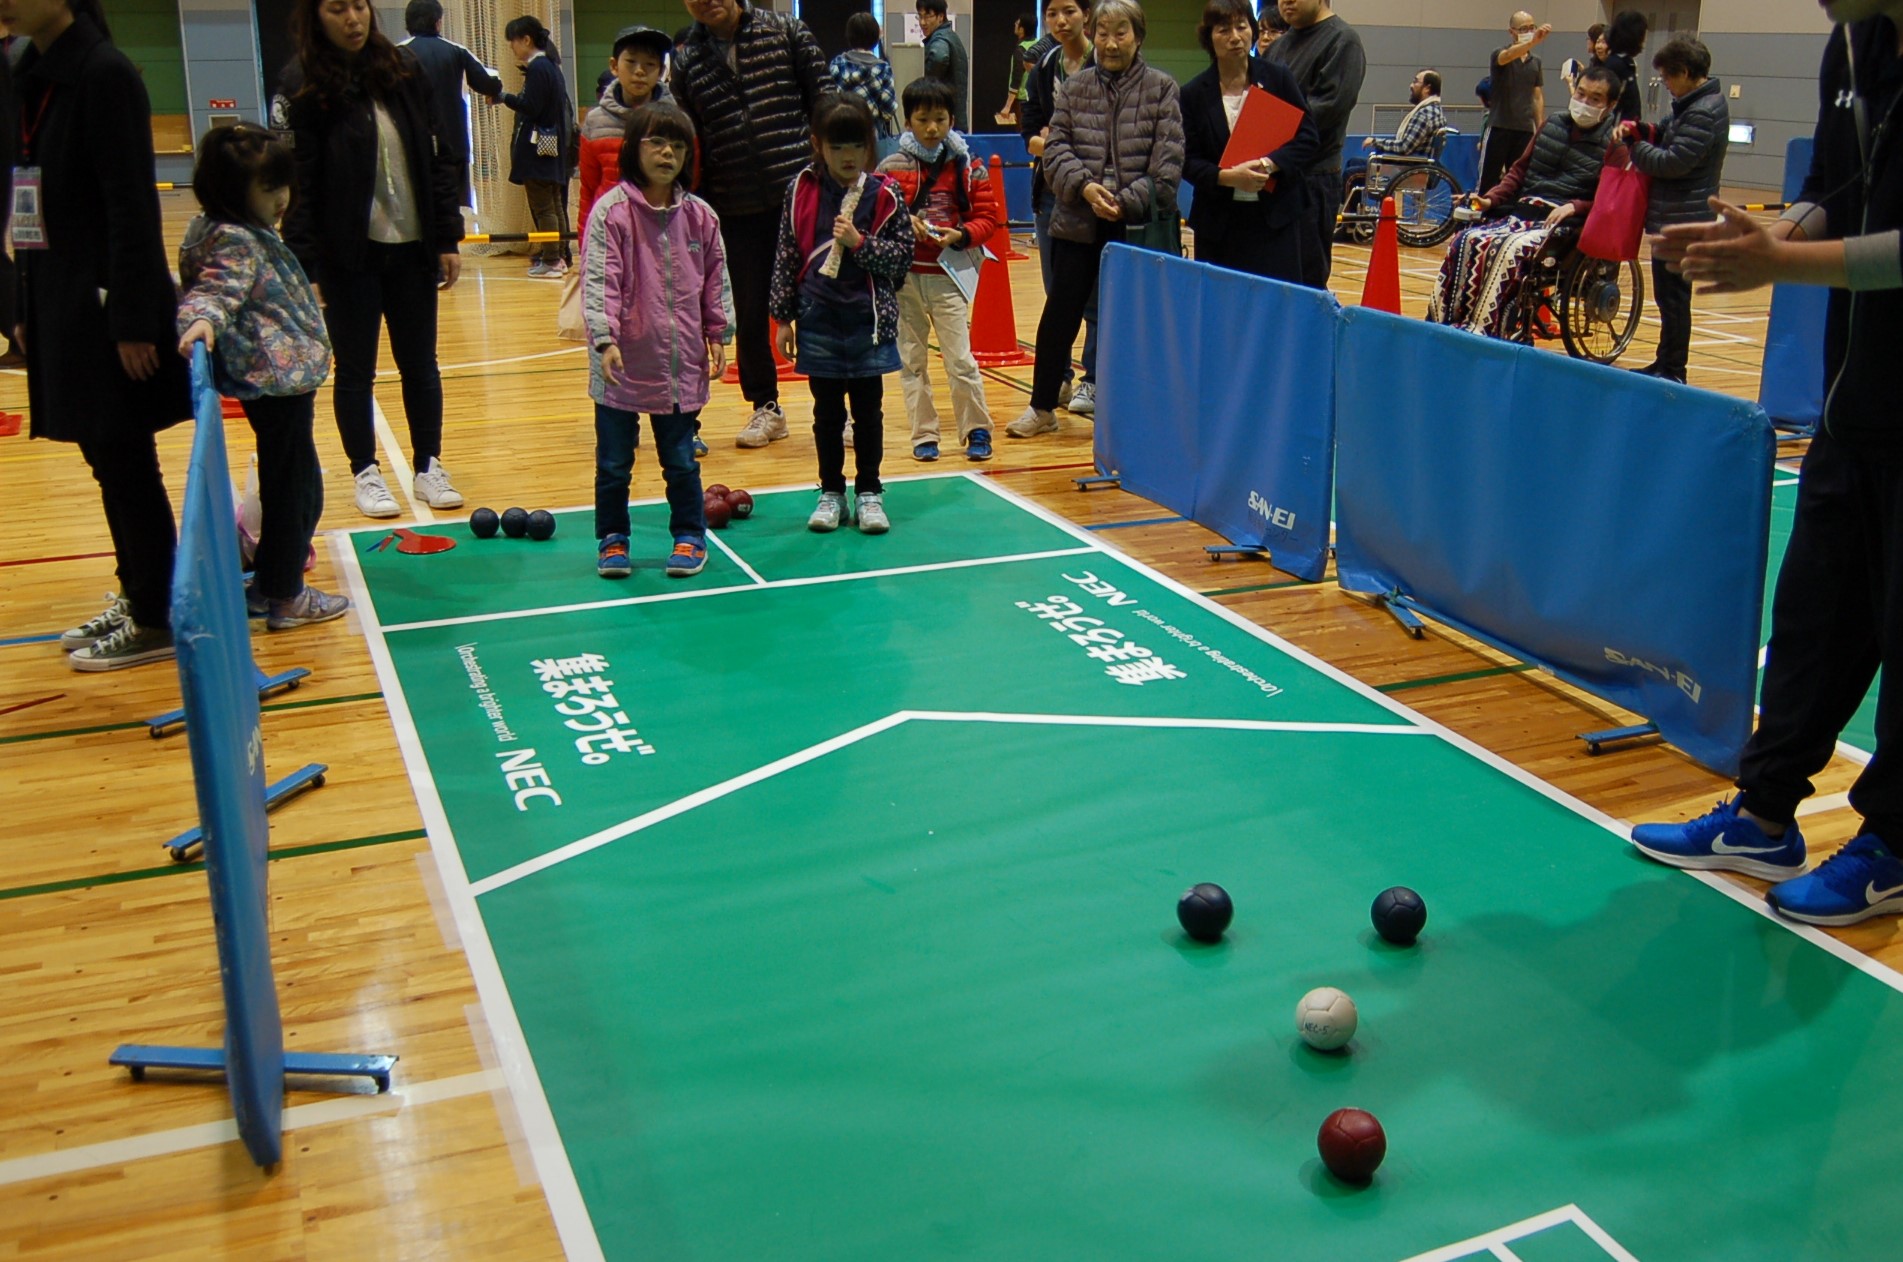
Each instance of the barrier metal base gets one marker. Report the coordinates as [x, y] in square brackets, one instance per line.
[185, 847]
[1217, 551]
[1398, 606]
[1596, 742]
[268, 686]
[1092, 483]
[139, 1057]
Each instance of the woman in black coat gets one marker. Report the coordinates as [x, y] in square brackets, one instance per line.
[543, 142]
[1625, 40]
[375, 223]
[96, 305]
[1238, 220]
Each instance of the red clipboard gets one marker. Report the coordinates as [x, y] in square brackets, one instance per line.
[1264, 124]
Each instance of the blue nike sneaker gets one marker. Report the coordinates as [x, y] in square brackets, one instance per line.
[1722, 840]
[1860, 881]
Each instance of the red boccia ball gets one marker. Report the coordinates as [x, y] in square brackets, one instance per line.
[718, 489]
[718, 514]
[741, 502]
[1352, 1144]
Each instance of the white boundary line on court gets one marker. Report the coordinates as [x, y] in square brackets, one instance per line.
[713, 537]
[559, 1187]
[1497, 1240]
[400, 465]
[812, 753]
[1744, 897]
[179, 1139]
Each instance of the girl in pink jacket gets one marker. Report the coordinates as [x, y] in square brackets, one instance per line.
[655, 299]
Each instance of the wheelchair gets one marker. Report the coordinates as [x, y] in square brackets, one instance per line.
[1424, 192]
[1591, 306]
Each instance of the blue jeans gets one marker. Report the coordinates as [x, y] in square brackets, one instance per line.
[1043, 231]
[617, 435]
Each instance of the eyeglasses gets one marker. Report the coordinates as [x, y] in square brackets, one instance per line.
[659, 144]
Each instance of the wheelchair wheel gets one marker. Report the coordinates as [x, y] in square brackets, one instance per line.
[1424, 204]
[1599, 307]
[1353, 227]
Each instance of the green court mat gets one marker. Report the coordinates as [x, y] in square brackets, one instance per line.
[1861, 732]
[874, 954]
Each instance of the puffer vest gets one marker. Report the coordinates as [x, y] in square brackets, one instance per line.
[1566, 162]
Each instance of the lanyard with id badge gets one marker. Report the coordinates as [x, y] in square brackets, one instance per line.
[29, 221]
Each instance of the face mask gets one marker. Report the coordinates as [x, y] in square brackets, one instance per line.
[1524, 37]
[1585, 115]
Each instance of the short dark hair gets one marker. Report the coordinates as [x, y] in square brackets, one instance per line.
[668, 121]
[1026, 23]
[1221, 13]
[1684, 55]
[529, 26]
[928, 94]
[1606, 75]
[422, 17]
[862, 31]
[1432, 79]
[1271, 17]
[1627, 33]
[844, 118]
[1594, 31]
[230, 159]
[931, 6]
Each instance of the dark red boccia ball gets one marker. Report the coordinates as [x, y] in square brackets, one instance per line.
[718, 514]
[1352, 1144]
[741, 502]
[718, 489]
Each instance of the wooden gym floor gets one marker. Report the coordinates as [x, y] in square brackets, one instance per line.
[105, 941]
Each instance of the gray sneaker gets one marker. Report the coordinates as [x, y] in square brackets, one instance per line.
[433, 488]
[373, 494]
[128, 644]
[115, 615]
[1065, 391]
[1083, 400]
[828, 512]
[872, 518]
[308, 606]
[766, 425]
[1032, 423]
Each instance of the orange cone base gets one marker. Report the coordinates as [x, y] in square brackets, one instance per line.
[1004, 359]
[783, 369]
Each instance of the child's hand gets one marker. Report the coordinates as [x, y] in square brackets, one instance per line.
[611, 364]
[789, 345]
[716, 358]
[846, 234]
[197, 331]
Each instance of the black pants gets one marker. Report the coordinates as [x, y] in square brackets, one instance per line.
[548, 207]
[1673, 293]
[749, 242]
[830, 398]
[1504, 147]
[290, 488]
[396, 286]
[1837, 616]
[1260, 250]
[1323, 189]
[1073, 285]
[139, 518]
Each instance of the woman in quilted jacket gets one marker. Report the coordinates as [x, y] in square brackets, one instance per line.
[249, 302]
[1112, 160]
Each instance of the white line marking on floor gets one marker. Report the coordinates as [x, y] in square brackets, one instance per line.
[391, 373]
[400, 467]
[113, 1152]
[1821, 803]
[714, 538]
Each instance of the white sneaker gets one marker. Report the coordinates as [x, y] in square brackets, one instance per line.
[1032, 423]
[1065, 391]
[872, 518]
[828, 512]
[433, 488]
[766, 425]
[1083, 400]
[373, 495]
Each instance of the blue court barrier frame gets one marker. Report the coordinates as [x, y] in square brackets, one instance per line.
[224, 731]
[1223, 408]
[1610, 527]
[1791, 383]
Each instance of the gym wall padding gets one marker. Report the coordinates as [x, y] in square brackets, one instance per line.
[1221, 407]
[1791, 386]
[1609, 526]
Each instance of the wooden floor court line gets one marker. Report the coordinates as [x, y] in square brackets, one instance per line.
[188, 869]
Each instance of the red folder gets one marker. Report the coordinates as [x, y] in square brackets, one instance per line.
[1265, 123]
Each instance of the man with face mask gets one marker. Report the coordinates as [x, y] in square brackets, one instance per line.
[1518, 101]
[1838, 613]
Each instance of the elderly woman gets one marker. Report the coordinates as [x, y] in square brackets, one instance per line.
[1112, 160]
[1246, 216]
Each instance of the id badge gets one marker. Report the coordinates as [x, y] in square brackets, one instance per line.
[29, 226]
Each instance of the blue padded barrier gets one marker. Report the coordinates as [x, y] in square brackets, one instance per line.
[1792, 385]
[1222, 408]
[1606, 525]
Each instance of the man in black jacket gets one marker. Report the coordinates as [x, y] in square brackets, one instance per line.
[1838, 613]
[1325, 54]
[447, 66]
[750, 79]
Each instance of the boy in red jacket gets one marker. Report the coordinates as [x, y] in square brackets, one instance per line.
[953, 207]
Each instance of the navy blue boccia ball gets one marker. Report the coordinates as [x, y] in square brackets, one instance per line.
[1399, 915]
[1205, 911]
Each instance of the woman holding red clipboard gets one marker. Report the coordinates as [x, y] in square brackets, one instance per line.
[1247, 141]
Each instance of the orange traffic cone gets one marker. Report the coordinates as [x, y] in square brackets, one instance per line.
[1012, 253]
[994, 319]
[1382, 290]
[783, 369]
